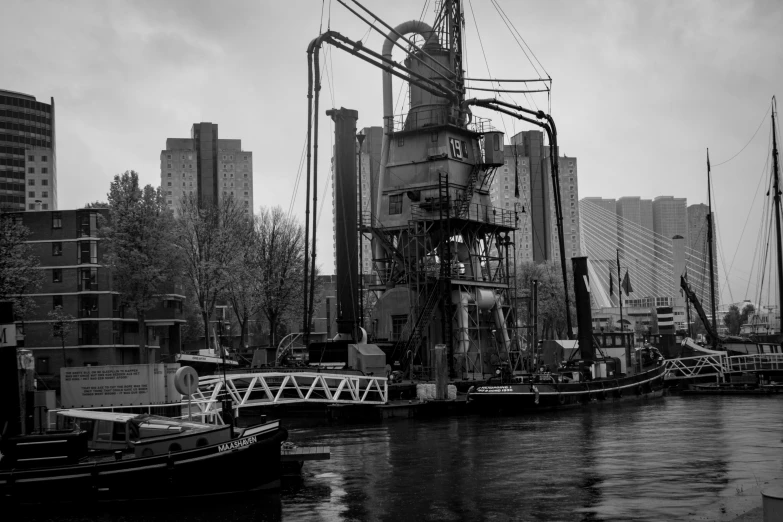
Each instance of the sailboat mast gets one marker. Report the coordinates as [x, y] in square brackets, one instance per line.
[710, 241]
[776, 174]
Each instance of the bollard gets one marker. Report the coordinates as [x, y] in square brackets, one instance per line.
[772, 499]
[441, 372]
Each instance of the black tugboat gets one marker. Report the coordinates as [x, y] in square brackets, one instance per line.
[588, 381]
[102, 456]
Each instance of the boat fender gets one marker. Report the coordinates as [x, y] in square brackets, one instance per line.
[560, 399]
[535, 389]
[471, 389]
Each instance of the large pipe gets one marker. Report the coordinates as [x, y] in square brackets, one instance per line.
[346, 243]
[500, 323]
[461, 300]
[412, 26]
[584, 319]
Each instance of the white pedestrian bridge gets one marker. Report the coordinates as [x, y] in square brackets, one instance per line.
[276, 388]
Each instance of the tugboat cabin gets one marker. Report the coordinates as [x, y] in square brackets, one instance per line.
[141, 434]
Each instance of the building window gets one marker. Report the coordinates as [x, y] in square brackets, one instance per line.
[45, 170]
[398, 325]
[57, 248]
[30, 158]
[395, 204]
[88, 222]
[168, 156]
[169, 184]
[88, 279]
[57, 220]
[168, 165]
[88, 332]
[31, 194]
[168, 175]
[88, 305]
[31, 182]
[44, 182]
[88, 252]
[168, 193]
[44, 194]
[42, 365]
[57, 275]
[31, 170]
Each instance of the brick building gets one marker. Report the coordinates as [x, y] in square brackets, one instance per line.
[71, 256]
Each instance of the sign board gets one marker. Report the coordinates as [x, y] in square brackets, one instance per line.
[119, 385]
[7, 335]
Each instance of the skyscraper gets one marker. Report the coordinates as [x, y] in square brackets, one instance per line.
[207, 166]
[28, 153]
[527, 165]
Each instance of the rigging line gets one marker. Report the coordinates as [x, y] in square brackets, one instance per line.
[528, 91]
[486, 62]
[498, 80]
[748, 143]
[757, 248]
[298, 177]
[321, 25]
[750, 210]
[521, 38]
[523, 51]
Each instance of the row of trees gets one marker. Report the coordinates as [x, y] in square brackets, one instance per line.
[213, 249]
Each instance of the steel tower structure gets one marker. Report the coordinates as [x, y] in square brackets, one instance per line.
[442, 252]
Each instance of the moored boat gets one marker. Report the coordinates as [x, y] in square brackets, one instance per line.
[111, 457]
[586, 381]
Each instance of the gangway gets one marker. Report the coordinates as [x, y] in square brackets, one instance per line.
[719, 363]
[274, 388]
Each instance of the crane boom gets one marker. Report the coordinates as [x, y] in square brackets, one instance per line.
[691, 296]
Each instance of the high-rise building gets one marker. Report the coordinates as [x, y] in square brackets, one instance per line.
[28, 153]
[527, 172]
[207, 166]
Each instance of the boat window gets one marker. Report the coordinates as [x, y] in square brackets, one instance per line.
[104, 430]
[118, 434]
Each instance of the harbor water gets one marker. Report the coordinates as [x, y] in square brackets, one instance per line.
[677, 458]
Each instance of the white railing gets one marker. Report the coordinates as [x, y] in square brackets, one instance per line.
[698, 366]
[756, 362]
[259, 389]
[720, 364]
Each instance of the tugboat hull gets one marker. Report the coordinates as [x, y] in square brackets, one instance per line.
[537, 397]
[239, 465]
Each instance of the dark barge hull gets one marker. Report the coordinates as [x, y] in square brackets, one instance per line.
[528, 398]
[240, 465]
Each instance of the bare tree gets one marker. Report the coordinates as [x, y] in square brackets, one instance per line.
[281, 258]
[62, 326]
[139, 248]
[209, 237]
[244, 288]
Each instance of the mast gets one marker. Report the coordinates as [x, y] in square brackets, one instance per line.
[776, 174]
[620, 293]
[709, 247]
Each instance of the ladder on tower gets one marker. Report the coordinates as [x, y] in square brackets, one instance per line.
[370, 223]
[464, 207]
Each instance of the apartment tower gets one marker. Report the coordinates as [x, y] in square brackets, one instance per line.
[28, 153]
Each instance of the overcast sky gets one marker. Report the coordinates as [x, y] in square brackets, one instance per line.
[640, 90]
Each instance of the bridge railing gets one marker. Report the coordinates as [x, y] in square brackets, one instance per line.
[259, 389]
[755, 363]
[698, 366]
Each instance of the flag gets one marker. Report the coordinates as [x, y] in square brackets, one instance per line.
[611, 282]
[627, 284]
